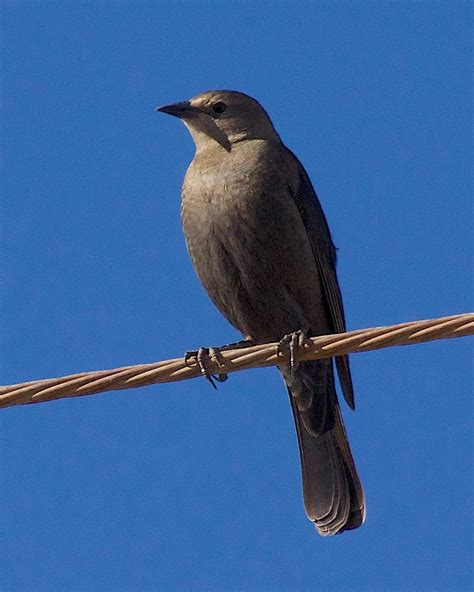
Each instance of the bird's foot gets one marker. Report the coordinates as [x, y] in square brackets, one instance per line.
[204, 355]
[290, 343]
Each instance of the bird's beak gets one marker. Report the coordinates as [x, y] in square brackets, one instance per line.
[197, 121]
[184, 109]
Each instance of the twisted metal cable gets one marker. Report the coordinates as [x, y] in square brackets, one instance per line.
[326, 346]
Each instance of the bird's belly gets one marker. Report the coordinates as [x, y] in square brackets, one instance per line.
[254, 262]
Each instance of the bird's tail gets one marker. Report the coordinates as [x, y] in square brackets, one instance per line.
[332, 491]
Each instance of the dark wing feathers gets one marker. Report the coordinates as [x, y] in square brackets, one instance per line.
[325, 254]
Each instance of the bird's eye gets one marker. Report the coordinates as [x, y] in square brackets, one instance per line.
[219, 107]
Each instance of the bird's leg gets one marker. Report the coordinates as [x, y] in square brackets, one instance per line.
[204, 354]
[290, 343]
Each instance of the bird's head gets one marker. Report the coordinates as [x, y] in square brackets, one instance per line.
[223, 116]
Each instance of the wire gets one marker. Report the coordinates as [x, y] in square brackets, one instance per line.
[326, 346]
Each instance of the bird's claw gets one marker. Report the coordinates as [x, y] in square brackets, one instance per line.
[202, 356]
[290, 343]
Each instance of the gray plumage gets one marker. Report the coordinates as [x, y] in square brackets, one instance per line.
[260, 243]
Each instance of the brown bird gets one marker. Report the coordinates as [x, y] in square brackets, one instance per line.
[261, 246]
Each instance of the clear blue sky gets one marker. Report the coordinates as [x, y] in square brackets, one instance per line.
[178, 487]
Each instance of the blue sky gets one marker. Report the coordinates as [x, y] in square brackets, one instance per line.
[177, 487]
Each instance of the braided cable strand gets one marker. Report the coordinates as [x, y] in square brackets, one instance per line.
[326, 346]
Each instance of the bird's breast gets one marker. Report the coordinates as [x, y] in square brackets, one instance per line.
[248, 244]
[217, 198]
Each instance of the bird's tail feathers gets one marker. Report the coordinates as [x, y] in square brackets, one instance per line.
[332, 491]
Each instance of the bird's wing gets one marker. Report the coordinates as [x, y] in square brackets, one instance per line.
[324, 251]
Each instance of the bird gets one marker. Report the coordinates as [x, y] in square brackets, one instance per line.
[260, 243]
